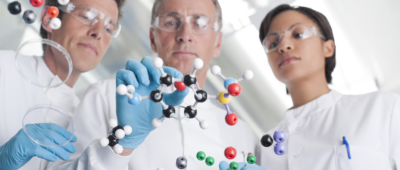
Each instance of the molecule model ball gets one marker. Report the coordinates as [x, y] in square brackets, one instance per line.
[36, 3]
[230, 152]
[266, 140]
[29, 16]
[181, 163]
[14, 7]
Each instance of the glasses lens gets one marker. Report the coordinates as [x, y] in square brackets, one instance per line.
[271, 42]
[301, 32]
[85, 14]
[169, 23]
[200, 24]
[90, 16]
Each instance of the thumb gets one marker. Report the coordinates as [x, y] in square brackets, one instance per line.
[223, 165]
[176, 97]
[45, 154]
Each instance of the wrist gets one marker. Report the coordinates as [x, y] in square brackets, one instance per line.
[126, 152]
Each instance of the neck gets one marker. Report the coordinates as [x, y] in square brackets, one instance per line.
[60, 68]
[307, 90]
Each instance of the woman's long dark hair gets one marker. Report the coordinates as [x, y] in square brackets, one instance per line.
[315, 16]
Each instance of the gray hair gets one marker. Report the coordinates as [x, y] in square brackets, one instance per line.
[157, 4]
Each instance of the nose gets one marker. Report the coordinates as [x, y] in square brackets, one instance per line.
[96, 31]
[285, 45]
[184, 35]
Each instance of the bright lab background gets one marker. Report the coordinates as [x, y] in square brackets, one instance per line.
[367, 34]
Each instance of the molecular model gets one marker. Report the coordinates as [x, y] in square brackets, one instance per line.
[189, 80]
[118, 132]
[29, 16]
[230, 153]
[279, 137]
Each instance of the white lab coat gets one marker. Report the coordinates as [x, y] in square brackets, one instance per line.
[162, 146]
[370, 123]
[17, 95]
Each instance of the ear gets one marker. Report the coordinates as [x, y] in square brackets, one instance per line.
[46, 19]
[153, 41]
[329, 48]
[217, 45]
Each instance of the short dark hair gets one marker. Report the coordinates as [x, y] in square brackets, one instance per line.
[315, 16]
[43, 32]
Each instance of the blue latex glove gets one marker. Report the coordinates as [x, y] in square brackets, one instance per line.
[242, 166]
[145, 78]
[20, 149]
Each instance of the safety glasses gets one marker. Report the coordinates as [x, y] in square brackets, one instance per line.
[296, 32]
[172, 22]
[90, 16]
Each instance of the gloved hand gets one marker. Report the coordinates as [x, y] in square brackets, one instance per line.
[242, 166]
[20, 148]
[145, 78]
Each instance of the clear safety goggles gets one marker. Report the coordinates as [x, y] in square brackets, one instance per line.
[294, 33]
[90, 16]
[172, 22]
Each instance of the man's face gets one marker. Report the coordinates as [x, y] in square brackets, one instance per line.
[86, 44]
[179, 49]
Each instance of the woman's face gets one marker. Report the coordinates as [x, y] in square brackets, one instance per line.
[295, 61]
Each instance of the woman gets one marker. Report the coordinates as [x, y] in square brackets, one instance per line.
[301, 52]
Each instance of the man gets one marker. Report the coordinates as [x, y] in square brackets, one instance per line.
[181, 31]
[86, 43]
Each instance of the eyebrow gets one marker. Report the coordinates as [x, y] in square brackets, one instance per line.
[289, 28]
[176, 13]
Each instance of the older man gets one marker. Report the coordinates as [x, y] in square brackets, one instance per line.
[86, 40]
[181, 31]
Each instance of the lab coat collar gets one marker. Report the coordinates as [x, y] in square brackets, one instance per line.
[62, 96]
[43, 72]
[323, 102]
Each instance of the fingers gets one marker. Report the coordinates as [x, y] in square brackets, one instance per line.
[223, 165]
[59, 152]
[126, 77]
[60, 130]
[175, 98]
[174, 72]
[54, 139]
[55, 151]
[45, 154]
[154, 72]
[139, 70]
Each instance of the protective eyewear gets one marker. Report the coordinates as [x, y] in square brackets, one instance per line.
[172, 22]
[297, 32]
[90, 16]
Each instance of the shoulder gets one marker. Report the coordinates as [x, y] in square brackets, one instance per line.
[104, 88]
[376, 97]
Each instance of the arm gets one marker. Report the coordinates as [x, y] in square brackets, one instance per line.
[91, 120]
[94, 112]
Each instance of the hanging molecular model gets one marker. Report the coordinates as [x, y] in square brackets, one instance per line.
[230, 153]
[29, 16]
[118, 133]
[200, 95]
[279, 137]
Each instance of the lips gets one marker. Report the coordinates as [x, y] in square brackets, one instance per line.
[89, 46]
[287, 59]
[184, 53]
